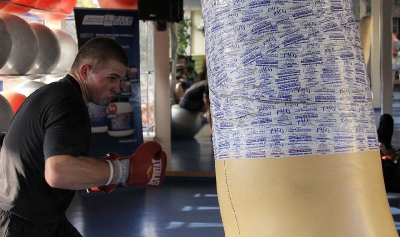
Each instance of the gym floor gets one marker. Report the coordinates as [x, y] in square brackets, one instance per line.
[181, 207]
[194, 155]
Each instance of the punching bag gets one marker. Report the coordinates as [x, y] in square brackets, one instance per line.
[294, 134]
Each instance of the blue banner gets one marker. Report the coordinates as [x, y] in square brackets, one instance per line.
[116, 127]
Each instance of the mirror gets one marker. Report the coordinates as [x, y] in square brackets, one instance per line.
[191, 143]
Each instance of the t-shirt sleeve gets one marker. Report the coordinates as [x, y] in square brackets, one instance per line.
[67, 129]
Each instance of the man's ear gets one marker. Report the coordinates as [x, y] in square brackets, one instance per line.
[84, 70]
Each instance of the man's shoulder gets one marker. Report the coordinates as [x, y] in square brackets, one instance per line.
[65, 85]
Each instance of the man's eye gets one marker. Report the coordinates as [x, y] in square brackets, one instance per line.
[112, 79]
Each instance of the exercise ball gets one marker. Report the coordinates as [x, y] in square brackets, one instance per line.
[24, 45]
[69, 49]
[10, 8]
[54, 77]
[65, 7]
[47, 4]
[184, 124]
[49, 50]
[29, 87]
[119, 4]
[14, 98]
[6, 114]
[6, 43]
[50, 5]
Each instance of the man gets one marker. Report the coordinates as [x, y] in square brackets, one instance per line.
[196, 99]
[43, 157]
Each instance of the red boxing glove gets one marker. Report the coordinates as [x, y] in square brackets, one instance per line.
[148, 166]
[144, 168]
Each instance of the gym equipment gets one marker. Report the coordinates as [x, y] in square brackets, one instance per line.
[294, 131]
[47, 4]
[69, 49]
[59, 12]
[119, 4]
[28, 88]
[146, 167]
[14, 98]
[184, 124]
[6, 114]
[10, 8]
[24, 45]
[6, 42]
[49, 50]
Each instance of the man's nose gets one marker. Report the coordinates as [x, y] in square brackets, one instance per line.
[117, 87]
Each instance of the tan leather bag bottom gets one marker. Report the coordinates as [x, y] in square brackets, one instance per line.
[339, 195]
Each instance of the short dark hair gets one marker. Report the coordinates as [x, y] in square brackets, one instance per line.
[100, 50]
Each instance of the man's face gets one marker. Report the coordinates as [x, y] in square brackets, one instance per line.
[104, 84]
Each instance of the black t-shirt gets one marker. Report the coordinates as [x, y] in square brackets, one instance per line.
[53, 120]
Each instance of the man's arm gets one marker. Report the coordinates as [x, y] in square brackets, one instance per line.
[146, 167]
[75, 173]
